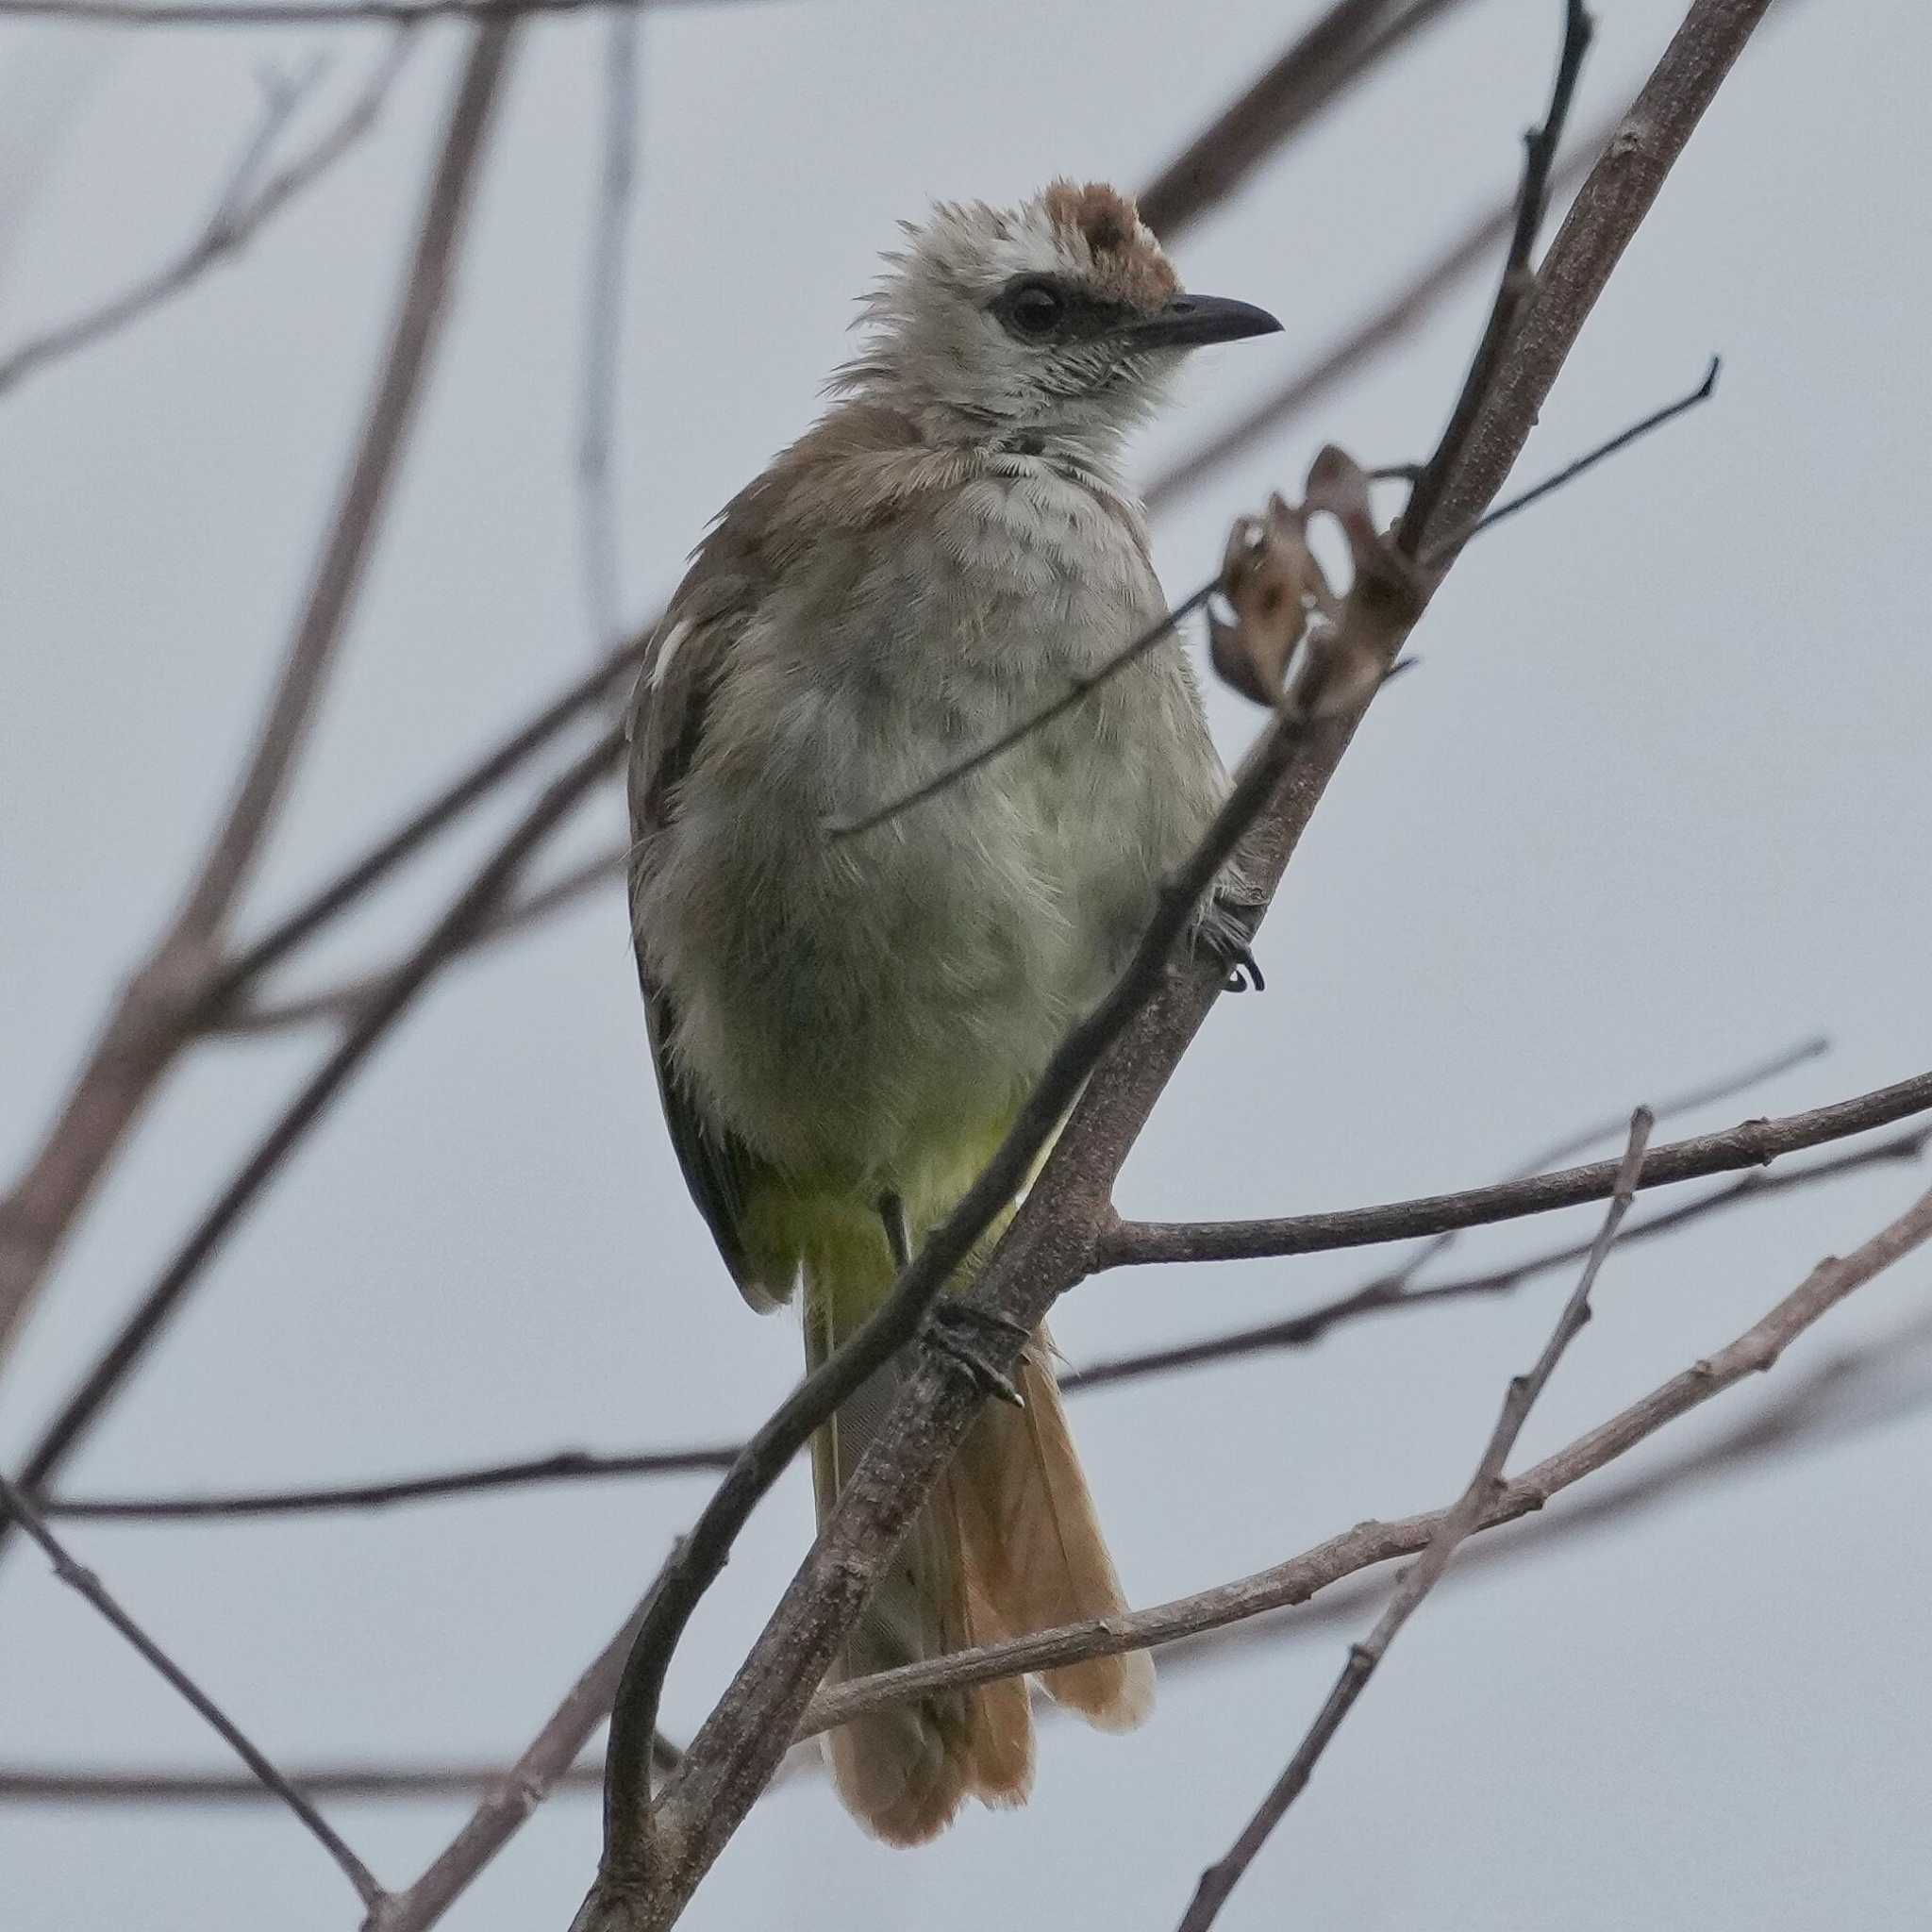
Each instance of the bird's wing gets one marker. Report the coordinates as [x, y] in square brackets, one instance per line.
[666, 725]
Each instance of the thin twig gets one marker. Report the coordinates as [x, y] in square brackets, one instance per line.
[604, 327]
[500, 761]
[152, 1018]
[1598, 228]
[345, 998]
[1386, 1289]
[246, 205]
[111, 1368]
[14, 1505]
[566, 1465]
[1082, 687]
[1750, 1143]
[1369, 1543]
[1313, 73]
[1388, 1294]
[1390, 324]
[1441, 550]
[1078, 690]
[1515, 289]
[1458, 1521]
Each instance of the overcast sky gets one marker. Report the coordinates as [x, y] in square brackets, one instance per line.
[1655, 804]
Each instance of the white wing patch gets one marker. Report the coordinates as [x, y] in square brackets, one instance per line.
[673, 638]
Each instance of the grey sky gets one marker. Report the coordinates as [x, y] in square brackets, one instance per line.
[1655, 803]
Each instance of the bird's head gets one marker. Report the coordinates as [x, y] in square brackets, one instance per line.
[1061, 318]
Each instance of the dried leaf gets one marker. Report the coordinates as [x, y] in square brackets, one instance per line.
[1271, 583]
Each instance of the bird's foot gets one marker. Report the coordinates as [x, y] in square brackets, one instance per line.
[958, 1332]
[1223, 932]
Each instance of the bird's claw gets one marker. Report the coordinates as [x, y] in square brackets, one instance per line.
[958, 1331]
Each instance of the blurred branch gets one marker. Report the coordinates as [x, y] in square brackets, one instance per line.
[152, 1019]
[110, 1370]
[1313, 73]
[506, 756]
[1457, 1524]
[14, 1505]
[566, 1465]
[342, 1001]
[604, 327]
[247, 203]
[1369, 1543]
[1382, 1294]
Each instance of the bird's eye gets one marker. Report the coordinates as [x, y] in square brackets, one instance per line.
[1035, 309]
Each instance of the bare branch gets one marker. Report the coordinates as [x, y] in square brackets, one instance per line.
[151, 1020]
[1382, 1294]
[1392, 322]
[1394, 1294]
[485, 888]
[503, 758]
[566, 1465]
[1750, 1143]
[1587, 248]
[1445, 546]
[1458, 1523]
[16, 1506]
[1516, 286]
[1369, 1543]
[342, 1002]
[247, 203]
[496, 1821]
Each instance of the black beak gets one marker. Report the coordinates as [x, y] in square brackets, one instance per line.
[1189, 321]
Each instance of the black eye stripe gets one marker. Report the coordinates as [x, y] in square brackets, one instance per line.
[1040, 309]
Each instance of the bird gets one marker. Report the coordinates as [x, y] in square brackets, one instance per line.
[844, 1027]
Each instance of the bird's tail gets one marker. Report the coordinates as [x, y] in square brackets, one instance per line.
[1007, 1544]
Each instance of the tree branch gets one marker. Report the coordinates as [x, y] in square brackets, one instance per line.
[246, 204]
[1516, 286]
[1369, 1543]
[1458, 1523]
[1750, 1143]
[340, 1002]
[15, 1507]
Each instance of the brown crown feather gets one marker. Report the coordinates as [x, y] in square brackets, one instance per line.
[1127, 261]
